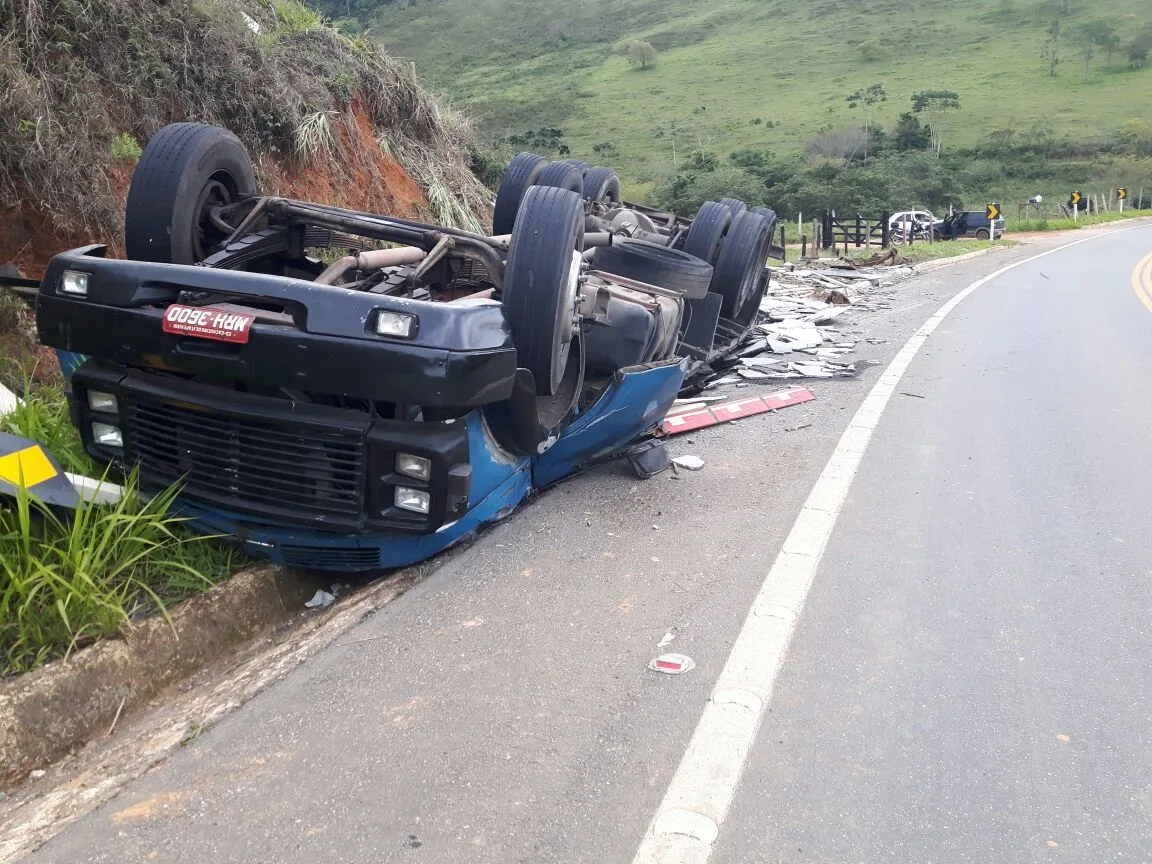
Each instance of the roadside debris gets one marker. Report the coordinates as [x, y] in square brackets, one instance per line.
[679, 421]
[795, 335]
[648, 459]
[692, 463]
[321, 600]
[668, 637]
[672, 664]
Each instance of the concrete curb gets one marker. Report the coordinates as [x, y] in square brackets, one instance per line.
[50, 711]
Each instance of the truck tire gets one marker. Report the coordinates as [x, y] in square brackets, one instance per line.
[562, 175]
[186, 169]
[741, 262]
[576, 163]
[521, 173]
[706, 234]
[540, 282]
[769, 214]
[735, 205]
[656, 265]
[602, 184]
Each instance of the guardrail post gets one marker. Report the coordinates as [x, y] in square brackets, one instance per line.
[859, 229]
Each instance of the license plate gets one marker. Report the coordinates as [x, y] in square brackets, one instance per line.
[204, 322]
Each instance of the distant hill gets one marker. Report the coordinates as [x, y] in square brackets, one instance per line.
[767, 74]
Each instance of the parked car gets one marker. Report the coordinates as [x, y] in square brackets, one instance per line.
[910, 219]
[348, 391]
[970, 223]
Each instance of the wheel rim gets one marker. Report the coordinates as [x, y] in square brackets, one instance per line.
[567, 321]
[219, 191]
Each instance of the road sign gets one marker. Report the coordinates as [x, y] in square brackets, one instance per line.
[993, 212]
[1076, 199]
[1122, 193]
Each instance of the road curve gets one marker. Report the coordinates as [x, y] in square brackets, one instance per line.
[968, 680]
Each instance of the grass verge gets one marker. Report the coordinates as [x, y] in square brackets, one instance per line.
[919, 252]
[67, 579]
[1085, 221]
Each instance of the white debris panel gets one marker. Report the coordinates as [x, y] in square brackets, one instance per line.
[798, 333]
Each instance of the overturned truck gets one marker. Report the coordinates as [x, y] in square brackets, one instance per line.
[349, 391]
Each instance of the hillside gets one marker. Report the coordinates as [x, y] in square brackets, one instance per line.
[768, 74]
[83, 86]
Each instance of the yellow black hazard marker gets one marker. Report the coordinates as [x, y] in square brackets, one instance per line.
[25, 464]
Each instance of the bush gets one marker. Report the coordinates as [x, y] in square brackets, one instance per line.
[124, 146]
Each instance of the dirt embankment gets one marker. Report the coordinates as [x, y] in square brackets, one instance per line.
[363, 178]
[326, 117]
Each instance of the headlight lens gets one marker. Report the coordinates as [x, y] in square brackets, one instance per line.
[414, 466]
[103, 403]
[397, 325]
[107, 435]
[74, 282]
[413, 500]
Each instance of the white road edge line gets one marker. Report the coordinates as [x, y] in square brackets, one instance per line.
[696, 803]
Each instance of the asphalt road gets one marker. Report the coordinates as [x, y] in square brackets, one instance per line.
[969, 680]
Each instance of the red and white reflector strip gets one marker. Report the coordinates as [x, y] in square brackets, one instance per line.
[672, 664]
[711, 415]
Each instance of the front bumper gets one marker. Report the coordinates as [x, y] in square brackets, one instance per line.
[460, 356]
[272, 460]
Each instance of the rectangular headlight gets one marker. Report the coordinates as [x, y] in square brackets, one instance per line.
[107, 435]
[397, 325]
[413, 466]
[74, 282]
[413, 499]
[103, 403]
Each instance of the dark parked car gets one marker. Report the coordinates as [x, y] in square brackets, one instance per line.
[968, 223]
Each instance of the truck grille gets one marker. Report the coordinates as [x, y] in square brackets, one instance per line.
[306, 474]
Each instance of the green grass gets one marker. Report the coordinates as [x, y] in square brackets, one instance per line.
[1085, 221]
[42, 416]
[726, 64]
[67, 579]
[948, 249]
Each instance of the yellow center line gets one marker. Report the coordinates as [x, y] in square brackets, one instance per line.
[1142, 281]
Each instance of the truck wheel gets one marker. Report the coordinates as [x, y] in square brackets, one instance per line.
[656, 265]
[602, 184]
[740, 265]
[576, 163]
[982, 234]
[769, 214]
[735, 205]
[521, 173]
[541, 282]
[186, 171]
[562, 175]
[706, 234]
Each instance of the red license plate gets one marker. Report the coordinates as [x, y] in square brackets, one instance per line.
[204, 322]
